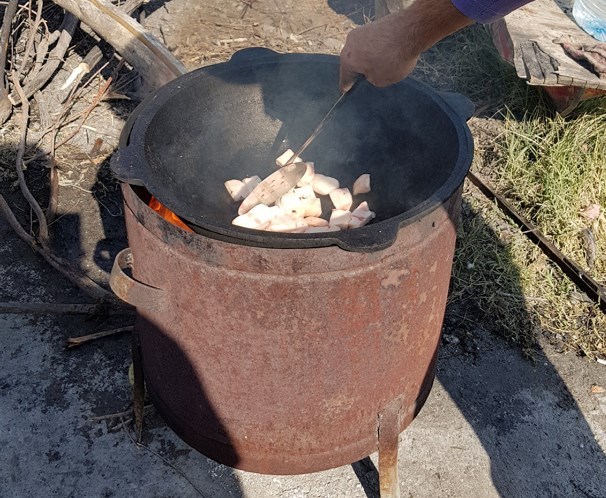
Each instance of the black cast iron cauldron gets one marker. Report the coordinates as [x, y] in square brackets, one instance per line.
[232, 120]
[290, 353]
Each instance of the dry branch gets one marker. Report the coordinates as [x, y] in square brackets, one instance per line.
[6, 106]
[30, 41]
[140, 48]
[55, 58]
[60, 309]
[72, 342]
[43, 225]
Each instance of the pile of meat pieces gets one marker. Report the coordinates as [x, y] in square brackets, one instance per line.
[300, 209]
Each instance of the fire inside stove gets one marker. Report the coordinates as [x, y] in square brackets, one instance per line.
[167, 214]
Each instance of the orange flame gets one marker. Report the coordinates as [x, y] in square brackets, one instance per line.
[167, 214]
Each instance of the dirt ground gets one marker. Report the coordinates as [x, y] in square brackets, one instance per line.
[520, 429]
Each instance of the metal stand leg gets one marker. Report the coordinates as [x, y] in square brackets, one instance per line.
[139, 384]
[389, 437]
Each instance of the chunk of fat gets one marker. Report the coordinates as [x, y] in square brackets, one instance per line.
[240, 189]
[308, 177]
[333, 228]
[341, 198]
[323, 185]
[284, 222]
[362, 184]
[361, 216]
[362, 210]
[250, 183]
[236, 189]
[305, 192]
[313, 208]
[284, 158]
[315, 221]
[340, 218]
[259, 217]
[300, 202]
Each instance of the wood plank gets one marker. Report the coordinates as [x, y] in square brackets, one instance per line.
[534, 30]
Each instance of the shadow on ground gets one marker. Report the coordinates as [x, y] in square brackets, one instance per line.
[538, 440]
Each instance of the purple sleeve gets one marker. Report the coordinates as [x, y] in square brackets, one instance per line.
[485, 11]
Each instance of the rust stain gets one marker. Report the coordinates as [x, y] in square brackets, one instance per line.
[394, 278]
[338, 403]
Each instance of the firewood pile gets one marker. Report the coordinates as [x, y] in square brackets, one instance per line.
[37, 37]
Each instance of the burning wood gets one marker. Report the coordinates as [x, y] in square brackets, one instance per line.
[300, 209]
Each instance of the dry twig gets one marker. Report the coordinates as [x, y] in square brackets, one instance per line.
[60, 309]
[55, 58]
[72, 342]
[30, 41]
[43, 225]
[6, 106]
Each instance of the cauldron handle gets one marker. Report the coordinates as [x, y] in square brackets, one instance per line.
[132, 291]
[459, 103]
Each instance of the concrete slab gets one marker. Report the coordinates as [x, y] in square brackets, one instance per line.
[494, 425]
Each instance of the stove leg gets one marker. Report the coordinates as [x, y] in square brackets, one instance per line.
[139, 384]
[389, 437]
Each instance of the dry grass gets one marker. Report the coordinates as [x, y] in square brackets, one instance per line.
[550, 168]
[553, 168]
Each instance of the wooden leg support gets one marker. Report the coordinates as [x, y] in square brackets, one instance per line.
[389, 436]
[139, 385]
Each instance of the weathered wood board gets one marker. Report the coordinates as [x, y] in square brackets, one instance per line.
[528, 39]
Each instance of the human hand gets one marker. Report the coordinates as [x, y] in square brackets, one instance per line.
[379, 51]
[387, 50]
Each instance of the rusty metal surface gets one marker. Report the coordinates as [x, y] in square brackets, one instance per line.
[389, 437]
[280, 361]
[131, 291]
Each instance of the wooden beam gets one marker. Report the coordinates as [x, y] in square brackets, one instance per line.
[154, 62]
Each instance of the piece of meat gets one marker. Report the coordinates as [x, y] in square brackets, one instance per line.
[341, 198]
[324, 185]
[259, 217]
[308, 177]
[361, 216]
[340, 218]
[315, 221]
[284, 222]
[284, 158]
[362, 184]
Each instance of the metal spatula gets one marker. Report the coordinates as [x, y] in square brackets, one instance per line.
[279, 183]
[274, 186]
[315, 133]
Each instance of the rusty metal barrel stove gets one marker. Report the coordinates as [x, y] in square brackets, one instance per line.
[290, 353]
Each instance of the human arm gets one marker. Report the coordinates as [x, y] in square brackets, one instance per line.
[387, 50]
